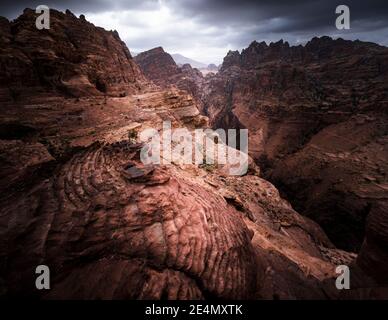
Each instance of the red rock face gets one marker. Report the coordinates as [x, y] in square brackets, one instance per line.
[109, 227]
[160, 67]
[144, 230]
[374, 254]
[157, 65]
[73, 58]
[317, 121]
[76, 197]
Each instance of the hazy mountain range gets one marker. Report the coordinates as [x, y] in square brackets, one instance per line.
[179, 59]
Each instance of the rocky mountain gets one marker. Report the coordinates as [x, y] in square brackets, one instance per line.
[75, 195]
[62, 60]
[160, 67]
[157, 65]
[317, 118]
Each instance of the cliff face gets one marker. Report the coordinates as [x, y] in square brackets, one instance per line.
[317, 118]
[72, 58]
[157, 65]
[161, 68]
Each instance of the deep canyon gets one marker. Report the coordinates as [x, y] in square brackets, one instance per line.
[76, 197]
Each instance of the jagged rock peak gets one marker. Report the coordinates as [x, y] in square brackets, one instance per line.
[160, 67]
[156, 64]
[231, 58]
[255, 44]
[232, 53]
[315, 49]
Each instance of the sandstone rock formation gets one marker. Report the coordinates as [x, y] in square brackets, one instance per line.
[110, 227]
[76, 197]
[73, 57]
[317, 121]
[157, 65]
[374, 254]
[161, 68]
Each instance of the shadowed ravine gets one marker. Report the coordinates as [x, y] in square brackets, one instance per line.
[76, 197]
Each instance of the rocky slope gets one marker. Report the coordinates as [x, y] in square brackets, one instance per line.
[63, 59]
[317, 120]
[76, 197]
[110, 227]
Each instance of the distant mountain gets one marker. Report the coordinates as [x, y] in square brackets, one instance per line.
[179, 59]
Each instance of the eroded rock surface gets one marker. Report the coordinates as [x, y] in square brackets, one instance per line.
[153, 233]
[110, 227]
[160, 67]
[317, 120]
[73, 57]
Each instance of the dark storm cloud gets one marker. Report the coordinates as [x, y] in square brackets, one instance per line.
[295, 21]
[311, 13]
[292, 17]
[299, 14]
[208, 28]
[12, 9]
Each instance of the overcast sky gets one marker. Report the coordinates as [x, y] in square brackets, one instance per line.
[206, 30]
